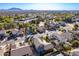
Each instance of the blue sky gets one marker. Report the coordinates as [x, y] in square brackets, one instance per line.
[41, 6]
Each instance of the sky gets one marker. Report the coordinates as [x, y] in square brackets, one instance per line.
[41, 6]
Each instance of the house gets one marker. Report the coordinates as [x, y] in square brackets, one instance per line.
[77, 19]
[54, 39]
[41, 45]
[22, 50]
[15, 48]
[4, 47]
[60, 54]
[74, 52]
[55, 53]
[41, 24]
[66, 36]
[59, 36]
[15, 34]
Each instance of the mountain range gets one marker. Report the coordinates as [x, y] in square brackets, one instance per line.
[18, 9]
[15, 9]
[12, 9]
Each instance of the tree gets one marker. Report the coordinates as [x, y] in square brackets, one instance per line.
[46, 38]
[1, 19]
[75, 43]
[7, 19]
[66, 47]
[27, 24]
[33, 28]
[57, 19]
[20, 25]
[7, 25]
[23, 16]
[33, 21]
[9, 32]
[68, 19]
[1, 26]
[16, 17]
[13, 25]
[75, 27]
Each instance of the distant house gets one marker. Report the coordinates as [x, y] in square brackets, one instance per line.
[66, 36]
[40, 29]
[15, 34]
[52, 26]
[76, 35]
[53, 38]
[77, 19]
[62, 24]
[2, 34]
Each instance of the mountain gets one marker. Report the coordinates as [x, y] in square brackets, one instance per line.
[15, 9]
